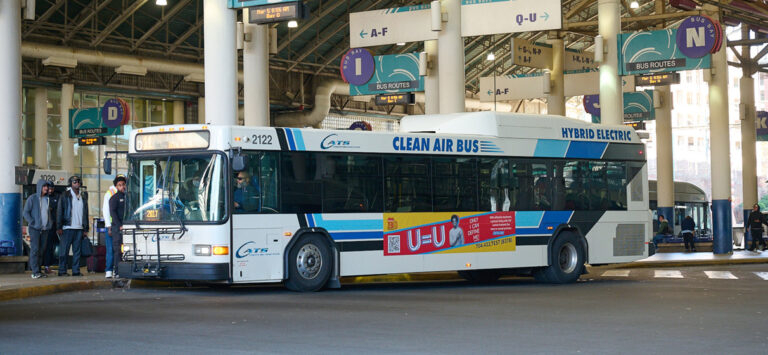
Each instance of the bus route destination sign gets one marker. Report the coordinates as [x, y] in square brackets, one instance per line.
[284, 11]
[395, 99]
[239, 4]
[91, 141]
[657, 79]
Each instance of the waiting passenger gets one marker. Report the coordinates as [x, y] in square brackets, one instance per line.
[663, 231]
[688, 226]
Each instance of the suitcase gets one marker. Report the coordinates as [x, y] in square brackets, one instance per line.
[96, 263]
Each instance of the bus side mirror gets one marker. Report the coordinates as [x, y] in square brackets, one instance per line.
[238, 162]
[108, 166]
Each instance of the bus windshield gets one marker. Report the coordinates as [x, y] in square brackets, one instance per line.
[177, 188]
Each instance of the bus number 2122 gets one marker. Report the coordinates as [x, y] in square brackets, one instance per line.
[261, 139]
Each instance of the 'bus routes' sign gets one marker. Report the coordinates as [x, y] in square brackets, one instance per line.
[85, 122]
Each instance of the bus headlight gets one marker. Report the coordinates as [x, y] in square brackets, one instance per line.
[126, 247]
[220, 250]
[202, 250]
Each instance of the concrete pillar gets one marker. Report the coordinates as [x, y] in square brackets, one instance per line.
[67, 144]
[201, 110]
[41, 128]
[220, 63]
[431, 82]
[720, 149]
[611, 96]
[556, 97]
[748, 134]
[178, 112]
[665, 186]
[10, 125]
[450, 54]
[255, 74]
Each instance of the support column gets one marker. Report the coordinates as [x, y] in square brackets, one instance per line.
[41, 128]
[450, 54]
[611, 97]
[255, 74]
[748, 134]
[67, 144]
[720, 149]
[431, 82]
[556, 97]
[10, 125]
[665, 185]
[220, 63]
[178, 112]
[201, 110]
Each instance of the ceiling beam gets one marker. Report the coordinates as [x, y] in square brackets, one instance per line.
[666, 16]
[578, 8]
[185, 35]
[103, 34]
[95, 10]
[44, 17]
[305, 26]
[159, 24]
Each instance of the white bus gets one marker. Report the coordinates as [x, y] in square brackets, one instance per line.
[483, 193]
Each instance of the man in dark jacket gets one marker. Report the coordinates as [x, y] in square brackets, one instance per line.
[755, 221]
[49, 253]
[117, 212]
[687, 228]
[37, 213]
[72, 221]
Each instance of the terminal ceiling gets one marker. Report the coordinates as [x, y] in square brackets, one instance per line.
[175, 32]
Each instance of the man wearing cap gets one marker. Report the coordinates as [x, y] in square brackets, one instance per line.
[72, 220]
[37, 213]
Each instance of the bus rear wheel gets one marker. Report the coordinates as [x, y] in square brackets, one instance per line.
[309, 264]
[566, 261]
[480, 276]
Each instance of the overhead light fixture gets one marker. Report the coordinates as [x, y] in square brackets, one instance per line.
[401, 43]
[131, 70]
[60, 62]
[293, 24]
[195, 78]
[634, 5]
[161, 2]
[490, 56]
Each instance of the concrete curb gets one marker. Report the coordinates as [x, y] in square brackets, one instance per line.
[43, 290]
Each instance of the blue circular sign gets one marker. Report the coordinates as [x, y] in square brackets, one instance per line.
[592, 104]
[357, 66]
[696, 36]
[112, 113]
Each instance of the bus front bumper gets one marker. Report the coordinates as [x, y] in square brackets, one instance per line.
[177, 271]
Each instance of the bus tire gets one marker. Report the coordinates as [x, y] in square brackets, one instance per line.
[480, 276]
[566, 260]
[309, 264]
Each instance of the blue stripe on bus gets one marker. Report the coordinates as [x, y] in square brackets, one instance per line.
[346, 225]
[357, 235]
[537, 222]
[299, 138]
[551, 148]
[289, 135]
[586, 150]
[310, 220]
[528, 219]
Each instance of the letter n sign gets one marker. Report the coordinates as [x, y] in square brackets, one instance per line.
[697, 36]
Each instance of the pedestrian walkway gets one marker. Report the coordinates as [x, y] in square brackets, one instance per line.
[678, 274]
[700, 258]
[13, 286]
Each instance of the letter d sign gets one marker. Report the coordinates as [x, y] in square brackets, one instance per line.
[112, 113]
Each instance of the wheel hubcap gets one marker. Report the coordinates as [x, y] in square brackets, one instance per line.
[309, 261]
[568, 258]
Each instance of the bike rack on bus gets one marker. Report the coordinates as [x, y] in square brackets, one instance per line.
[148, 265]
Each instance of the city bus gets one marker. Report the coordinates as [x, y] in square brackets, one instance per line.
[485, 194]
[690, 200]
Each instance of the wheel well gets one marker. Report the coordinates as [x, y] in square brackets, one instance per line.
[334, 279]
[567, 228]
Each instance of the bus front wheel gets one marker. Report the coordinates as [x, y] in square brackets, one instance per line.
[309, 264]
[566, 260]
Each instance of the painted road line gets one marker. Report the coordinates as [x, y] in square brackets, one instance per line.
[616, 273]
[669, 274]
[761, 274]
[721, 275]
